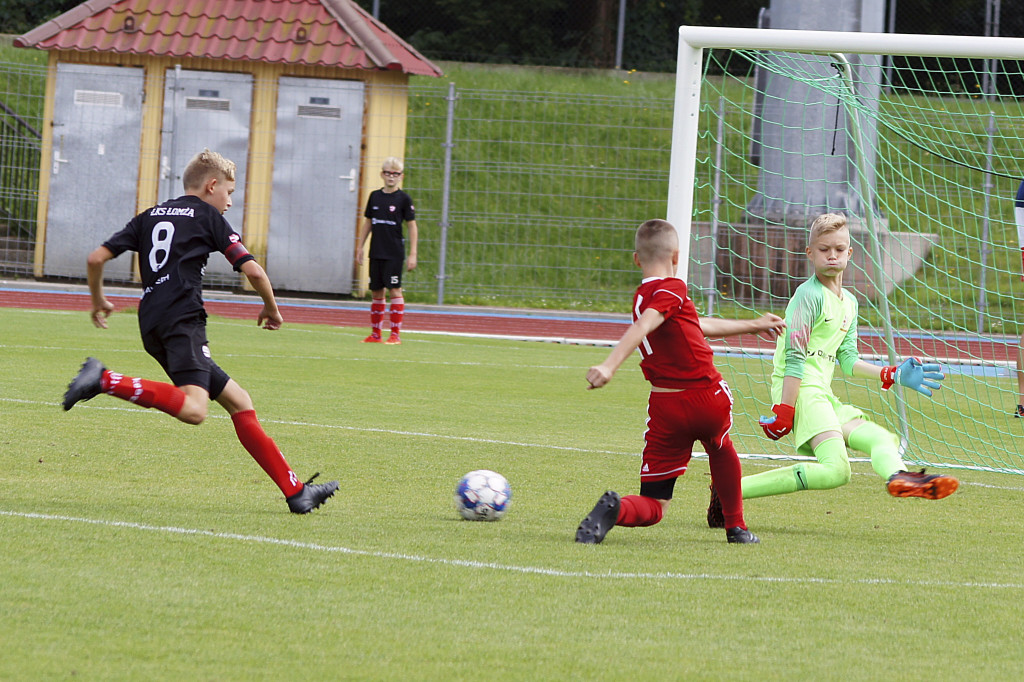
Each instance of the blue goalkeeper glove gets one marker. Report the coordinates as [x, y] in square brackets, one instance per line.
[912, 373]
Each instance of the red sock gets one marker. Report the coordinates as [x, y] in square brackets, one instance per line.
[143, 392]
[397, 312]
[265, 452]
[726, 474]
[637, 510]
[376, 315]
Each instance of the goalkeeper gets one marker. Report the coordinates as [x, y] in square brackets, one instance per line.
[821, 328]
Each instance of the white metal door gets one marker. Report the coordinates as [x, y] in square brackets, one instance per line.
[207, 109]
[97, 128]
[315, 208]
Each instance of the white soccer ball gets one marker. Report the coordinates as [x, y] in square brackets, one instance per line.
[482, 495]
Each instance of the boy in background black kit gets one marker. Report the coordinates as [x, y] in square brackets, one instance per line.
[386, 210]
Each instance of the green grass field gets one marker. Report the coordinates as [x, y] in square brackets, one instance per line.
[136, 547]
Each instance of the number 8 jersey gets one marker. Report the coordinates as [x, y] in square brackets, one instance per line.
[174, 241]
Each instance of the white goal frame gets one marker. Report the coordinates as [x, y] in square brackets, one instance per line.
[689, 74]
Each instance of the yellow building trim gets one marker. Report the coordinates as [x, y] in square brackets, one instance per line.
[46, 165]
[152, 129]
[259, 179]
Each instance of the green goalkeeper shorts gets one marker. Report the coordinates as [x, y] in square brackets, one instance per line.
[819, 411]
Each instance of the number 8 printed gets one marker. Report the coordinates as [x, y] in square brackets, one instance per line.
[163, 233]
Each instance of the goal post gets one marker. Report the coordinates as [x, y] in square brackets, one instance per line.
[693, 40]
[773, 127]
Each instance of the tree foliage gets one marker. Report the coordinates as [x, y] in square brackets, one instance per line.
[21, 16]
[583, 32]
[578, 32]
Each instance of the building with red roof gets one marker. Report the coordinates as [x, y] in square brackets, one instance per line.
[306, 96]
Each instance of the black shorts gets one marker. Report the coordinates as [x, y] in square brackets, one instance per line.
[386, 273]
[181, 349]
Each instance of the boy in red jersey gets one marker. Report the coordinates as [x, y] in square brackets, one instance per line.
[689, 399]
[174, 241]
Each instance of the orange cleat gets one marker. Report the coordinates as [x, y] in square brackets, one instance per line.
[920, 484]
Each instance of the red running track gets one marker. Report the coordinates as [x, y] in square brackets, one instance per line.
[556, 326]
[452, 320]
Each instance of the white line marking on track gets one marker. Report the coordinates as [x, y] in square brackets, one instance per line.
[510, 568]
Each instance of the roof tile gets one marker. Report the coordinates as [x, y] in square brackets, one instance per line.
[335, 33]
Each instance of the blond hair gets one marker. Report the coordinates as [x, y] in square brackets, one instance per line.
[656, 239]
[826, 223]
[204, 165]
[392, 163]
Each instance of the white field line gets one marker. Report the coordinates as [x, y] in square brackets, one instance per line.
[281, 356]
[752, 458]
[509, 568]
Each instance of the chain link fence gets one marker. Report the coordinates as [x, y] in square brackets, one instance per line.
[523, 198]
[545, 192]
[21, 106]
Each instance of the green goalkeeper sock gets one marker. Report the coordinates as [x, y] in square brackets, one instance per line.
[830, 471]
[881, 445]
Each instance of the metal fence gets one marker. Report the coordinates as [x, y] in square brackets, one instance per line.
[523, 198]
[19, 165]
[536, 195]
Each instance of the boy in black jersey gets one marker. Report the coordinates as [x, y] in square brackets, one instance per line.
[173, 241]
[386, 209]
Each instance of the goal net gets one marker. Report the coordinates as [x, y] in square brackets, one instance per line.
[917, 140]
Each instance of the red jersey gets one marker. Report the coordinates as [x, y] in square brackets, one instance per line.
[676, 354]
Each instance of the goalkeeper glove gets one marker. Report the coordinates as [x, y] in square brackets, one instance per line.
[912, 373]
[782, 423]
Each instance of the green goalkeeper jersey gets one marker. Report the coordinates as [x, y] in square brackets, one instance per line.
[821, 328]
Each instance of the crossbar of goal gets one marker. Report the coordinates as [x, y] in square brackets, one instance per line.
[694, 39]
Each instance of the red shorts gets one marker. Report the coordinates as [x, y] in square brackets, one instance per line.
[676, 420]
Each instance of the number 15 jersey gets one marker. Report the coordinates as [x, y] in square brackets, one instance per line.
[174, 241]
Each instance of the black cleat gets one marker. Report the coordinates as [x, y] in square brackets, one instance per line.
[88, 384]
[741, 536]
[311, 496]
[1019, 412]
[600, 520]
[716, 519]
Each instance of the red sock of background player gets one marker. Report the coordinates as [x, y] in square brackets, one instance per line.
[143, 392]
[397, 312]
[637, 510]
[263, 449]
[376, 315]
[726, 474]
